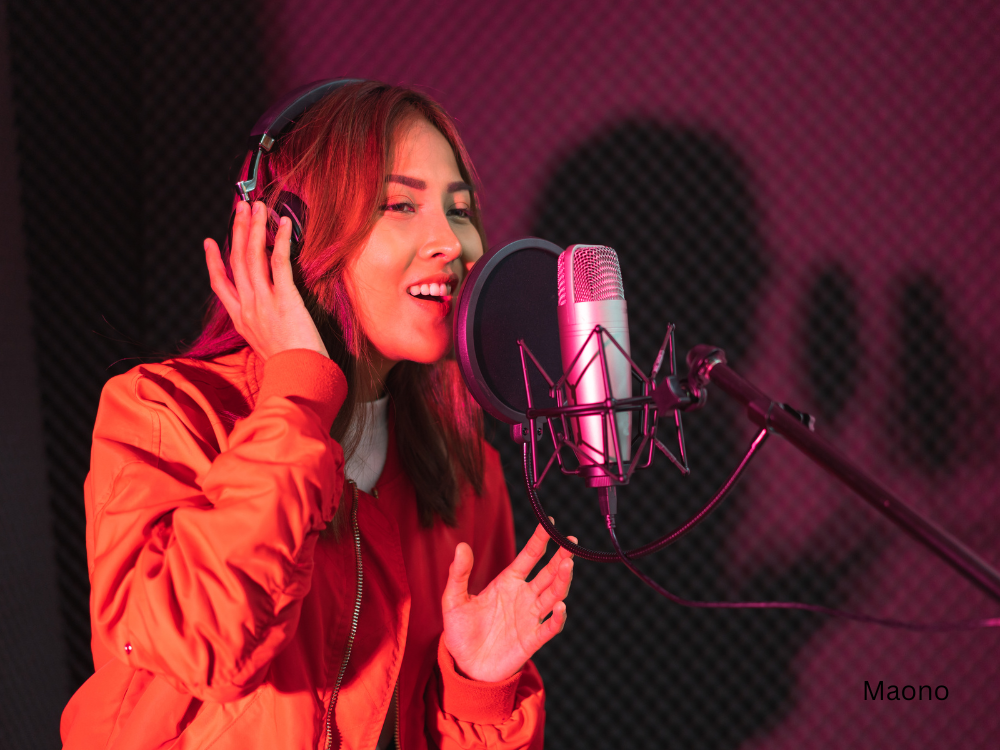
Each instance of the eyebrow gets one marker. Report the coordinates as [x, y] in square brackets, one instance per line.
[413, 182]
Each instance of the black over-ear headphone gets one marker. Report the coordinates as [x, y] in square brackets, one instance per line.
[264, 138]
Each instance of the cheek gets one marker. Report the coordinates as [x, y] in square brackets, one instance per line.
[472, 245]
[378, 267]
[375, 278]
[397, 326]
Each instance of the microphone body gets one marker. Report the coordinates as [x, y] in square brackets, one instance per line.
[591, 294]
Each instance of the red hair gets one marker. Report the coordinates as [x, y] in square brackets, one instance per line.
[337, 158]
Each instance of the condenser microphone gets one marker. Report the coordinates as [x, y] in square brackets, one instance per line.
[591, 294]
[536, 329]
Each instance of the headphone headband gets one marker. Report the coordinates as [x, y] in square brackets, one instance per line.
[278, 117]
[293, 104]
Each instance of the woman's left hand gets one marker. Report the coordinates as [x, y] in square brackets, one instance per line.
[491, 635]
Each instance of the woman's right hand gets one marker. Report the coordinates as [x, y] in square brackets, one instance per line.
[262, 300]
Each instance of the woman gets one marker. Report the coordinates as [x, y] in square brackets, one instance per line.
[243, 592]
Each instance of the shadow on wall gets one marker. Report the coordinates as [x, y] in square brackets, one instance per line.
[942, 407]
[830, 333]
[677, 205]
[140, 110]
[632, 670]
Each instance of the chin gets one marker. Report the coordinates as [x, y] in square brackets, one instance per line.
[429, 358]
[426, 353]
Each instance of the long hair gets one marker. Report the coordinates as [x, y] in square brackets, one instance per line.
[337, 158]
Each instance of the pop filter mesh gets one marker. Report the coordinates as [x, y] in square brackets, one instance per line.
[518, 301]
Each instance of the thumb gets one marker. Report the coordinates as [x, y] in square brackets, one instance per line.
[456, 591]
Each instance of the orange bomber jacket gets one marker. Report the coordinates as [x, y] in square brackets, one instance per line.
[222, 617]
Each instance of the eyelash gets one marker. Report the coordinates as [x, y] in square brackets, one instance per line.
[400, 207]
[395, 206]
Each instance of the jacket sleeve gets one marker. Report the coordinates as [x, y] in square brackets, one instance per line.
[466, 714]
[201, 542]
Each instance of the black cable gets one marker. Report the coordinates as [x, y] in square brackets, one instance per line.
[663, 541]
[623, 556]
[922, 627]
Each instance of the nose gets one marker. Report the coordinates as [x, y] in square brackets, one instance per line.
[442, 243]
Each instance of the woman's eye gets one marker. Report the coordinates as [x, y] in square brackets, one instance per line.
[401, 207]
[464, 213]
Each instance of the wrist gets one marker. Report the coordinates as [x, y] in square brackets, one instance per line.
[477, 701]
[484, 674]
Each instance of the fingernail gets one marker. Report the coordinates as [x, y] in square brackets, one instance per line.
[256, 208]
[284, 221]
[241, 206]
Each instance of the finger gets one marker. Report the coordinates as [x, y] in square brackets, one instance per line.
[557, 591]
[553, 626]
[238, 251]
[528, 557]
[256, 259]
[456, 590]
[224, 289]
[281, 264]
[565, 553]
[570, 555]
[546, 575]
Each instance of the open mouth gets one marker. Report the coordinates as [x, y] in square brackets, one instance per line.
[431, 292]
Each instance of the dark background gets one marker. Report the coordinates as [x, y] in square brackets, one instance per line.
[813, 188]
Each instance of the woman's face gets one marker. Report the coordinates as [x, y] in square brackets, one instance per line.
[403, 281]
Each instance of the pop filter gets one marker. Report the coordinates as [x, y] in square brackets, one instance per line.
[510, 294]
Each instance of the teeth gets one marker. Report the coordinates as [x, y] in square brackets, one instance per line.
[430, 290]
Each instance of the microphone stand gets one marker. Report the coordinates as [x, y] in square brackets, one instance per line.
[708, 364]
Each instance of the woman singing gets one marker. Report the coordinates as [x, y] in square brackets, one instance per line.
[251, 588]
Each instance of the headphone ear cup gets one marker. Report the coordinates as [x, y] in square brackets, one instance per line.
[292, 206]
[288, 204]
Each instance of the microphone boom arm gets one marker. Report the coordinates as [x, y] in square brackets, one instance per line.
[708, 364]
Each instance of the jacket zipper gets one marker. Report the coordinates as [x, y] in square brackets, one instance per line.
[354, 620]
[395, 690]
[395, 696]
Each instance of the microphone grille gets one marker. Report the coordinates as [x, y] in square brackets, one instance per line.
[589, 273]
